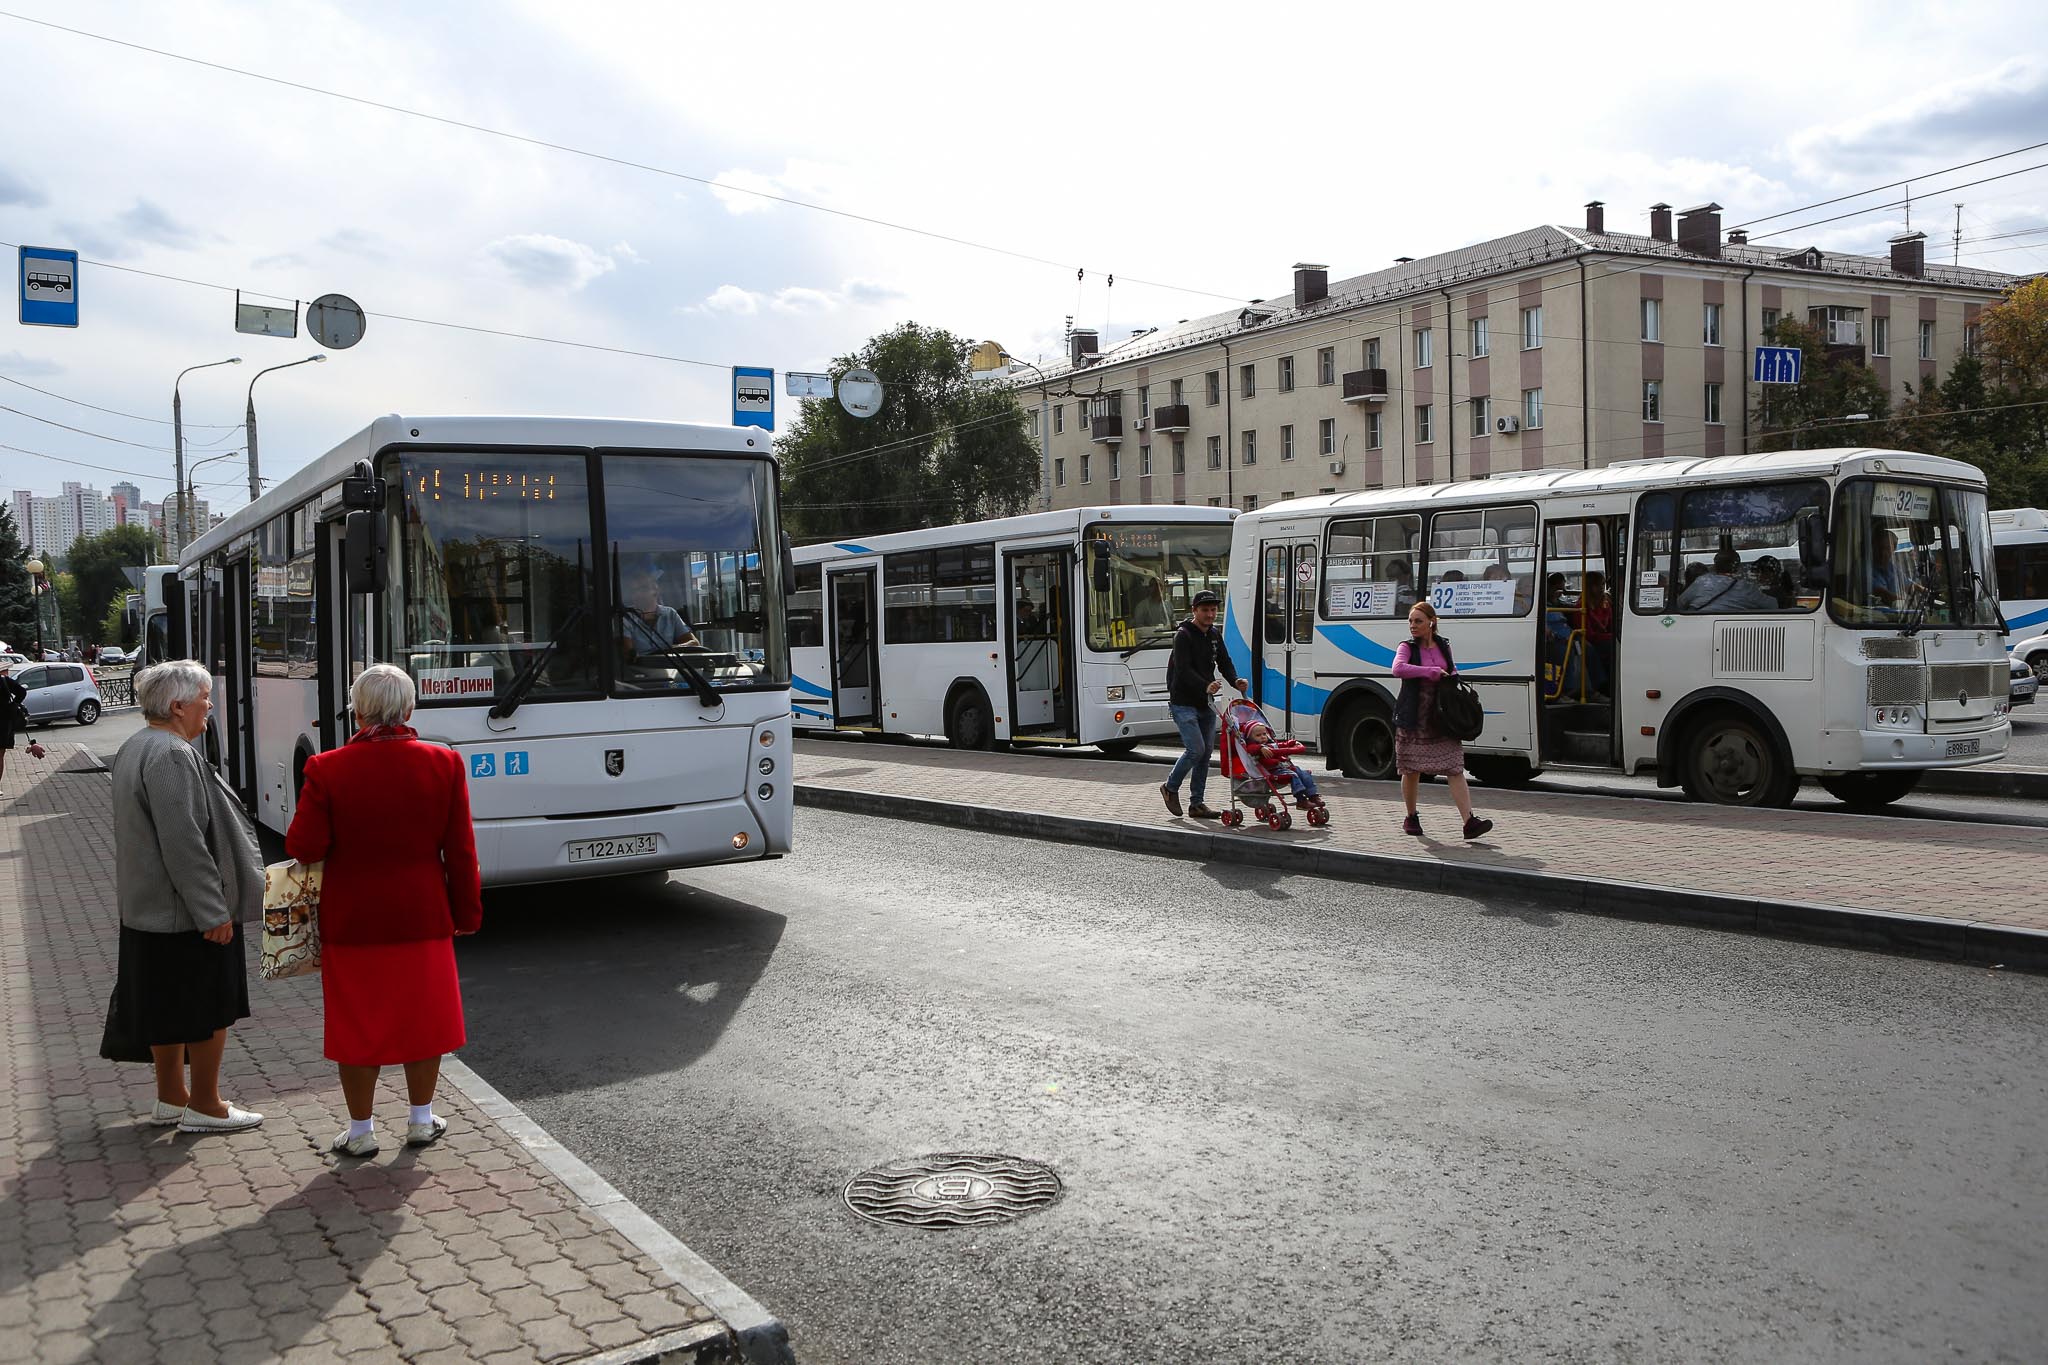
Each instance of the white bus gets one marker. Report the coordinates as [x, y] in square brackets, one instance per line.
[592, 611]
[1051, 628]
[1828, 614]
[2019, 545]
[160, 605]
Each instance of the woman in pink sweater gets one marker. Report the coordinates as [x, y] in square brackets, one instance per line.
[1420, 663]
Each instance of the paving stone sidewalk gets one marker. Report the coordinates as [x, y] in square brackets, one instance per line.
[124, 1242]
[1946, 870]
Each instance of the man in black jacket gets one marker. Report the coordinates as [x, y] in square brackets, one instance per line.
[1191, 669]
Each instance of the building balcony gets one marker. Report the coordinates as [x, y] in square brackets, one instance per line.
[1365, 386]
[1108, 430]
[1172, 418]
[1839, 353]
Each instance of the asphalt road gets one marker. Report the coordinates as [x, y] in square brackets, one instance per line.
[1296, 1120]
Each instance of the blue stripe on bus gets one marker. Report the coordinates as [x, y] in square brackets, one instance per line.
[1352, 641]
[852, 549]
[1304, 700]
[807, 687]
[807, 711]
[2019, 625]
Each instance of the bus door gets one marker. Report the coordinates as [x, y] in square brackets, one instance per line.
[239, 708]
[1286, 626]
[856, 665]
[1041, 645]
[341, 622]
[1578, 644]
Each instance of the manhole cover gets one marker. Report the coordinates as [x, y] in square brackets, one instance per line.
[952, 1190]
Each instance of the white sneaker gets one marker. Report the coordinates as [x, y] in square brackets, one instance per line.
[425, 1134]
[366, 1145]
[164, 1115]
[192, 1121]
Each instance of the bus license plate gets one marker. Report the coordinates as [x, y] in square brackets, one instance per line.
[591, 850]
[1961, 748]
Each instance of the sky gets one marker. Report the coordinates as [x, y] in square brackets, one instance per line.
[1121, 165]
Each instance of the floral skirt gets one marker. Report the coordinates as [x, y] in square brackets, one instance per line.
[1430, 755]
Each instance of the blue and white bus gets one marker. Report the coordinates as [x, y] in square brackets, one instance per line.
[2019, 544]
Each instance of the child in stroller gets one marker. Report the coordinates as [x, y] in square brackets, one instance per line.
[1262, 773]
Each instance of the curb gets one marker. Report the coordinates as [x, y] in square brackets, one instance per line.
[1991, 780]
[753, 1334]
[1971, 942]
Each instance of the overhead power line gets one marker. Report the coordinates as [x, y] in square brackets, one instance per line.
[116, 412]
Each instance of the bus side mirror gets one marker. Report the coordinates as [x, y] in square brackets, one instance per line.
[1098, 568]
[1813, 543]
[788, 565]
[362, 553]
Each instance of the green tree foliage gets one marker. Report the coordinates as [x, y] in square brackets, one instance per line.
[941, 450]
[1808, 415]
[97, 564]
[1992, 412]
[17, 596]
[114, 623]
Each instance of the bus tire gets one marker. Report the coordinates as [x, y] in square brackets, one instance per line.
[1116, 746]
[969, 722]
[1500, 770]
[1363, 745]
[1731, 760]
[1871, 791]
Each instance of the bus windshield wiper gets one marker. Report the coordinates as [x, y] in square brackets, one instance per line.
[706, 692]
[515, 691]
[1161, 635]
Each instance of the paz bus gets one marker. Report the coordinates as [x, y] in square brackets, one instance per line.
[1051, 628]
[1830, 614]
[525, 572]
[2019, 544]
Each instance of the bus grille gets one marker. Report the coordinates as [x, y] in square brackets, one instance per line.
[1890, 647]
[1752, 649]
[1897, 684]
[1977, 680]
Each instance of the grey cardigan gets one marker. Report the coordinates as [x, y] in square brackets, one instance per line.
[185, 856]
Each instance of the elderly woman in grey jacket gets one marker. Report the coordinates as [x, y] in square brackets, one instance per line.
[187, 874]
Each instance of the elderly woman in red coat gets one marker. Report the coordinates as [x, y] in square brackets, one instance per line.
[389, 815]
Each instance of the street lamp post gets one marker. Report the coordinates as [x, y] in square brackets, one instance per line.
[249, 419]
[38, 588]
[191, 490]
[174, 533]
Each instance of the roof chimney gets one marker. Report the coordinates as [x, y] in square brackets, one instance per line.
[1660, 222]
[1081, 343]
[1596, 217]
[1311, 284]
[1738, 237]
[1909, 254]
[1403, 260]
[1699, 230]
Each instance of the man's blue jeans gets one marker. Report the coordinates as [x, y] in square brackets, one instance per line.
[1197, 726]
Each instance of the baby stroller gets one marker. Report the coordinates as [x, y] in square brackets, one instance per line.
[1265, 789]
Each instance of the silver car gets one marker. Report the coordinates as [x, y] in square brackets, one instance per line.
[2025, 682]
[60, 692]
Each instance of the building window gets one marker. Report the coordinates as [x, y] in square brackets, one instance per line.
[1248, 380]
[1532, 328]
[1144, 401]
[1326, 365]
[1653, 401]
[1710, 324]
[1881, 336]
[1477, 327]
[1973, 338]
[1031, 423]
[1425, 347]
[1215, 452]
[1251, 447]
[1251, 502]
[1712, 406]
[1144, 462]
[1087, 462]
[1424, 413]
[1059, 418]
[1326, 435]
[1059, 473]
[1375, 431]
[1215, 382]
[1838, 326]
[1926, 340]
[1287, 374]
[1179, 397]
[1215, 502]
[1653, 319]
[1770, 324]
[1532, 409]
[1287, 443]
[1116, 465]
[1372, 353]
[1288, 496]
[1180, 456]
[1482, 416]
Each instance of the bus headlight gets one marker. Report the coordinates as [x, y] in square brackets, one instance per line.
[1116, 693]
[767, 738]
[1895, 718]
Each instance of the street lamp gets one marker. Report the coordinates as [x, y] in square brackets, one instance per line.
[36, 589]
[249, 420]
[191, 490]
[178, 438]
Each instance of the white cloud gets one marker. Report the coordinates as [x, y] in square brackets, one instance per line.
[550, 262]
[624, 251]
[1985, 110]
[869, 293]
[730, 298]
[798, 299]
[809, 181]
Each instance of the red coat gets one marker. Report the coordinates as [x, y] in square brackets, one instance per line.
[390, 817]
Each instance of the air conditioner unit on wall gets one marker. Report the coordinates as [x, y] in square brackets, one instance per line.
[1336, 466]
[1507, 426]
[1138, 425]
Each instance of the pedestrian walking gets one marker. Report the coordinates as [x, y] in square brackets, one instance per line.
[1191, 682]
[187, 876]
[1420, 747]
[13, 717]
[389, 816]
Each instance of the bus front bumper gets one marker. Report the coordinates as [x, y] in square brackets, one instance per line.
[1853, 750]
[523, 850]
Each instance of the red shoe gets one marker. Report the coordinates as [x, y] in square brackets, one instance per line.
[1412, 825]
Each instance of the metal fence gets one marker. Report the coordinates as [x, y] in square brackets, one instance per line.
[117, 691]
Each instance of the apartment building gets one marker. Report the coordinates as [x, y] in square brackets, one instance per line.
[1555, 346]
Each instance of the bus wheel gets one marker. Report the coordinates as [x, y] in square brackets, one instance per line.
[1499, 770]
[1870, 791]
[1730, 761]
[967, 722]
[1365, 738]
[1116, 746]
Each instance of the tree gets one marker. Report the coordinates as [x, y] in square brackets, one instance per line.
[1808, 415]
[98, 564]
[17, 593]
[114, 623]
[941, 450]
[2015, 331]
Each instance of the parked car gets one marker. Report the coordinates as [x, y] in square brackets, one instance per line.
[2025, 684]
[60, 692]
[111, 654]
[2033, 651]
[8, 659]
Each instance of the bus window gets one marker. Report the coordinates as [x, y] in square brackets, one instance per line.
[807, 608]
[1738, 548]
[1482, 561]
[1370, 568]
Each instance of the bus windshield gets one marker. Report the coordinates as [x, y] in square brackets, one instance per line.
[1142, 576]
[498, 567]
[1913, 554]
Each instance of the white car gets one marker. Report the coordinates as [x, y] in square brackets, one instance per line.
[8, 659]
[2033, 652]
[2024, 683]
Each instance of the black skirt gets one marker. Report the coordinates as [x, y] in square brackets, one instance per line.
[174, 988]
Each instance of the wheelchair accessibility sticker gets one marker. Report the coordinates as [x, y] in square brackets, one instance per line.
[486, 765]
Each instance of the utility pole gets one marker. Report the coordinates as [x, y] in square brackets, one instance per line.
[1958, 257]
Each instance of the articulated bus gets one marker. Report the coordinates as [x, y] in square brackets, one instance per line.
[592, 610]
[1051, 628]
[1829, 614]
[2019, 544]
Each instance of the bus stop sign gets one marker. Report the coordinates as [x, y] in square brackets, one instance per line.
[49, 287]
[753, 397]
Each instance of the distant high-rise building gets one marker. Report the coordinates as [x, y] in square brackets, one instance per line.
[127, 500]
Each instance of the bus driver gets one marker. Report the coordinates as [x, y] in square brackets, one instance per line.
[650, 626]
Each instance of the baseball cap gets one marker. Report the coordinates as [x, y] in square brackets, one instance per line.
[1205, 598]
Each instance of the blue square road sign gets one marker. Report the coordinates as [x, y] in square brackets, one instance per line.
[1776, 365]
[48, 282]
